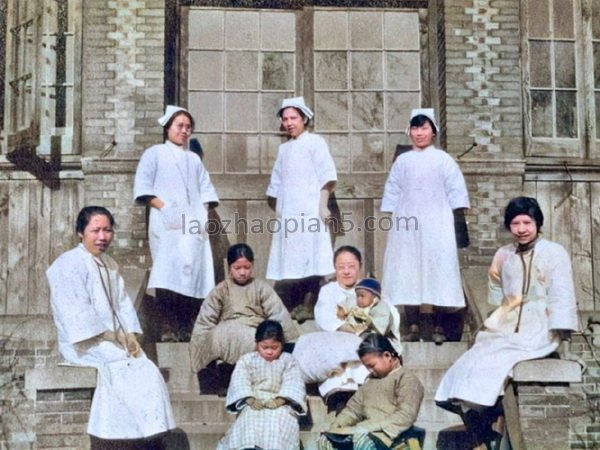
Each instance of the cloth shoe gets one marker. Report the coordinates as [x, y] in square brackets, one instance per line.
[438, 336]
[413, 334]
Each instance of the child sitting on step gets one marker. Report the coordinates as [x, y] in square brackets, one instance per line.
[267, 392]
[383, 411]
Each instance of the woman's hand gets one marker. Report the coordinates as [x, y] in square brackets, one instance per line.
[275, 403]
[254, 403]
[133, 346]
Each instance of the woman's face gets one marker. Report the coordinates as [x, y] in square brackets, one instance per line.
[379, 364]
[422, 137]
[347, 269]
[180, 130]
[97, 235]
[241, 271]
[293, 122]
[523, 228]
[269, 349]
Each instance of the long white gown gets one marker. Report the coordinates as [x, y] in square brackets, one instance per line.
[321, 352]
[131, 399]
[478, 376]
[301, 244]
[421, 261]
[181, 258]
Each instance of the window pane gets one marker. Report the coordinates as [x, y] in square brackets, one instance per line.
[539, 19]
[597, 64]
[566, 114]
[563, 18]
[539, 67]
[541, 113]
[596, 19]
[564, 54]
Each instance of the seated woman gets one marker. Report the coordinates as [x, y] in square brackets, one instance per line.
[531, 282]
[329, 357]
[97, 327]
[382, 413]
[229, 315]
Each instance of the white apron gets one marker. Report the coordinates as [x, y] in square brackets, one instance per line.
[478, 376]
[421, 262]
[301, 244]
[131, 400]
[181, 258]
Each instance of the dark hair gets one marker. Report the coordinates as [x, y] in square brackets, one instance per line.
[348, 249]
[179, 113]
[376, 343]
[269, 329]
[420, 120]
[238, 251]
[86, 214]
[305, 118]
[523, 205]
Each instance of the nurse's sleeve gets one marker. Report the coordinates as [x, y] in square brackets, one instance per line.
[74, 315]
[455, 186]
[273, 189]
[208, 193]
[145, 173]
[561, 302]
[323, 162]
[391, 191]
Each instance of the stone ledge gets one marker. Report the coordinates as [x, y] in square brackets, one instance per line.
[547, 371]
[59, 378]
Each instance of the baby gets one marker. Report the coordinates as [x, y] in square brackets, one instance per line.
[369, 313]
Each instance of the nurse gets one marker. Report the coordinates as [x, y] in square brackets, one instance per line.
[176, 186]
[421, 265]
[303, 177]
[98, 327]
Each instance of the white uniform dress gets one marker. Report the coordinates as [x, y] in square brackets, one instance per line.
[131, 400]
[181, 258]
[478, 376]
[322, 352]
[301, 244]
[268, 429]
[421, 262]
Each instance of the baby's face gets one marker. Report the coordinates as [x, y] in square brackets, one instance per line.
[364, 298]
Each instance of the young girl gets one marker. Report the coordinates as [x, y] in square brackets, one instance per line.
[229, 315]
[268, 393]
[384, 407]
[425, 185]
[303, 177]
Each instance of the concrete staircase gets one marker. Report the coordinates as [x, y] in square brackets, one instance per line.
[202, 419]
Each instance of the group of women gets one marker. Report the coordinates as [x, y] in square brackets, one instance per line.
[530, 282]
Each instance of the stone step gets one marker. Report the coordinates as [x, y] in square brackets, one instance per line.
[205, 437]
[427, 354]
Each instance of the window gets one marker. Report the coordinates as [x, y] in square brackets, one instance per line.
[41, 57]
[562, 77]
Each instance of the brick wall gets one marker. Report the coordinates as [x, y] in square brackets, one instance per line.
[61, 418]
[25, 343]
[123, 95]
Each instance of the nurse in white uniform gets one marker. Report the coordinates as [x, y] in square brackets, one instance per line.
[421, 265]
[97, 327]
[303, 177]
[176, 186]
